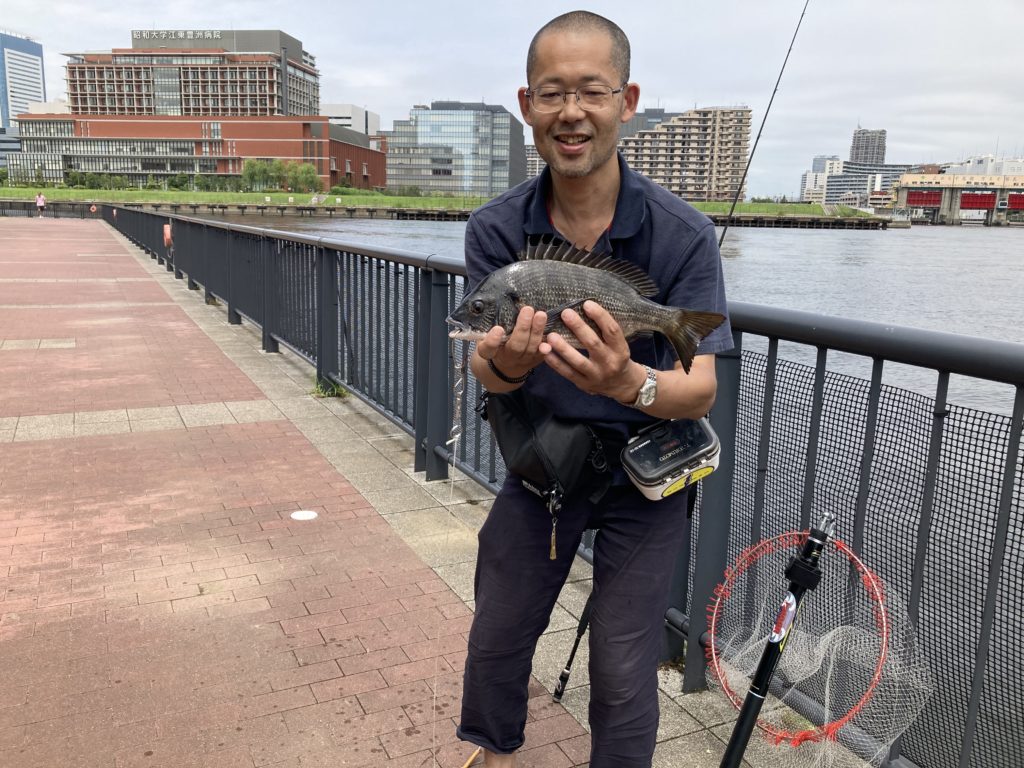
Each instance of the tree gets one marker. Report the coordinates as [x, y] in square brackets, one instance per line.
[256, 175]
[277, 174]
[302, 177]
[3, 177]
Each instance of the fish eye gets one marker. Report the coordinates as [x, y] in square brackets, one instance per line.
[477, 306]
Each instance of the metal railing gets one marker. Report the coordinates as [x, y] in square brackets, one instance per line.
[928, 492]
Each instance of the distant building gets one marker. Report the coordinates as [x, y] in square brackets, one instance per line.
[21, 77]
[55, 107]
[812, 187]
[145, 147]
[228, 73]
[698, 155]
[812, 182]
[457, 148]
[856, 182]
[868, 146]
[644, 121]
[820, 163]
[352, 116]
[534, 162]
[986, 165]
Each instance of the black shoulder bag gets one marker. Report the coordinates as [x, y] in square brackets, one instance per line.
[553, 457]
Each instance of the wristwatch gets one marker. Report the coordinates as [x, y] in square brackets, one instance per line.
[648, 390]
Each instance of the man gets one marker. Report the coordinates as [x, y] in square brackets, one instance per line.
[578, 94]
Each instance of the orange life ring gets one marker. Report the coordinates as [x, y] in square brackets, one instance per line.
[92, 209]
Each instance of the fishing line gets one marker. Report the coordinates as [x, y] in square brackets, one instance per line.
[753, 149]
[460, 363]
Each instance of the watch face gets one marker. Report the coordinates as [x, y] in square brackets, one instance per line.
[648, 393]
[649, 390]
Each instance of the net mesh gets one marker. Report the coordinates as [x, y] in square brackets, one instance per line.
[851, 678]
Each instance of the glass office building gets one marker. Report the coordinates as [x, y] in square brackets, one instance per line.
[456, 148]
[21, 77]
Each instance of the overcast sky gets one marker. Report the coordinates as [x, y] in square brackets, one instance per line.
[942, 76]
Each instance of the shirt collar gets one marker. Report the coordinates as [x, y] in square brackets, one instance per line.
[630, 208]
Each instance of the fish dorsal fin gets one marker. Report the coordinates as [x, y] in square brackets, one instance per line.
[554, 249]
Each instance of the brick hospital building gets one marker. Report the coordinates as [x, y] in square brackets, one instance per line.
[193, 102]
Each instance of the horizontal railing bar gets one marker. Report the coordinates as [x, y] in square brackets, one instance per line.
[1001, 361]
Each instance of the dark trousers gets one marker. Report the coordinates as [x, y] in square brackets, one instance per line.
[516, 587]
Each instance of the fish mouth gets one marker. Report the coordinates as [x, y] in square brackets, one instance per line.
[463, 333]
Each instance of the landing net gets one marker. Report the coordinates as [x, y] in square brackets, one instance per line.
[851, 678]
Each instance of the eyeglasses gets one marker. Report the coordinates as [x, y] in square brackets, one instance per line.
[591, 98]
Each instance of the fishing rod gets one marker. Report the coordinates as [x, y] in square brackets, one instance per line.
[753, 149]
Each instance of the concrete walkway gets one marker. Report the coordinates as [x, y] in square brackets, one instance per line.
[159, 606]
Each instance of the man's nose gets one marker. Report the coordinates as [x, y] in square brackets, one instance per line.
[571, 107]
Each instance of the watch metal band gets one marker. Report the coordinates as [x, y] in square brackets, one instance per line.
[652, 378]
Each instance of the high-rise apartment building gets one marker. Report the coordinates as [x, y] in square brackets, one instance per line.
[21, 76]
[644, 121]
[534, 162]
[228, 73]
[457, 148]
[698, 155]
[868, 146]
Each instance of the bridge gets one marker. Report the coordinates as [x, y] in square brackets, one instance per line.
[943, 199]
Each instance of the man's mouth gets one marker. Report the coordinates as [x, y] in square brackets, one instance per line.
[572, 139]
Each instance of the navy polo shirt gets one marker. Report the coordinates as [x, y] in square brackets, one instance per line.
[669, 239]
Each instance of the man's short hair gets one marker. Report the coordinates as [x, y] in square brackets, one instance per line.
[585, 21]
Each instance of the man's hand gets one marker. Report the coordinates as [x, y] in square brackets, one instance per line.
[607, 369]
[519, 354]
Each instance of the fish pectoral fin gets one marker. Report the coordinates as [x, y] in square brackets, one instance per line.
[555, 313]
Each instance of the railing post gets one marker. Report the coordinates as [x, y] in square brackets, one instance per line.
[432, 374]
[715, 515]
[233, 317]
[327, 316]
[267, 252]
[207, 293]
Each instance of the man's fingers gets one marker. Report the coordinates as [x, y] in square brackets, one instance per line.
[611, 331]
[581, 330]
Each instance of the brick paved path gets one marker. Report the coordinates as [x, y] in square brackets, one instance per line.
[158, 604]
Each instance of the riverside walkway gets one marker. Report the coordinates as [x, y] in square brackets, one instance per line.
[159, 606]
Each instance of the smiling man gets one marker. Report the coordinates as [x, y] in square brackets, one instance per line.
[577, 96]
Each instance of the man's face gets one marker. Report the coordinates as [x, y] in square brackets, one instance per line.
[574, 142]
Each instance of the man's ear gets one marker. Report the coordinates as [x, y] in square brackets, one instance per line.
[524, 106]
[630, 100]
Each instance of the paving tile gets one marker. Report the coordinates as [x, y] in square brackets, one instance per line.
[162, 607]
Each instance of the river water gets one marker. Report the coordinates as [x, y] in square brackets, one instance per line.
[966, 280]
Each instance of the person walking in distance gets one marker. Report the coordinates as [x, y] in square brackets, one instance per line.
[577, 95]
[40, 203]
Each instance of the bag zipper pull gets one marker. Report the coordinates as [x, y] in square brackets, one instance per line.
[554, 523]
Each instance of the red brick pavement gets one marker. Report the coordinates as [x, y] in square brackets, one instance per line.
[159, 607]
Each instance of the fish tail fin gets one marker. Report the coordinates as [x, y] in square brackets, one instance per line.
[686, 329]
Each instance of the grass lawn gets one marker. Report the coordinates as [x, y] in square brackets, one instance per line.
[358, 200]
[367, 200]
